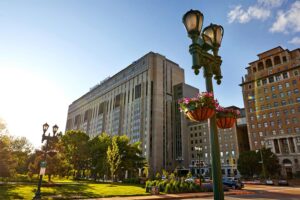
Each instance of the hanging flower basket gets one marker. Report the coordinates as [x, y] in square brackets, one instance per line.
[199, 108]
[226, 117]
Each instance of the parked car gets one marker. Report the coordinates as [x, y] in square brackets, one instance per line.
[232, 182]
[269, 182]
[283, 182]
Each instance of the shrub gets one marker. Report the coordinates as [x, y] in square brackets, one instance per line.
[168, 188]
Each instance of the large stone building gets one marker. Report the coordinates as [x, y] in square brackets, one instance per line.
[232, 142]
[139, 101]
[272, 102]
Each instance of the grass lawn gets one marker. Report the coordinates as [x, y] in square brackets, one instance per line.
[71, 190]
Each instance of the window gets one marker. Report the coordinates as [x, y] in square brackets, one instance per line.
[267, 98]
[249, 86]
[283, 102]
[269, 63]
[286, 112]
[275, 104]
[264, 116]
[271, 79]
[297, 130]
[291, 101]
[280, 87]
[287, 121]
[279, 122]
[287, 84]
[274, 96]
[281, 94]
[285, 75]
[261, 134]
[253, 126]
[260, 66]
[289, 93]
[294, 82]
[265, 90]
[295, 120]
[265, 124]
[296, 73]
[292, 110]
[298, 99]
[284, 59]
[192, 142]
[274, 132]
[258, 83]
[271, 114]
[273, 88]
[264, 81]
[277, 113]
[261, 99]
[251, 118]
[296, 91]
[258, 125]
[272, 123]
[281, 131]
[277, 60]
[278, 77]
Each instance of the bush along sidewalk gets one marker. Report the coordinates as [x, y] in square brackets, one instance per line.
[175, 186]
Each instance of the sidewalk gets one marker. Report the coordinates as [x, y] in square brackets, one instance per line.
[176, 196]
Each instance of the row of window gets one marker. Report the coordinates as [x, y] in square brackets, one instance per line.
[274, 96]
[272, 123]
[268, 63]
[276, 113]
[275, 132]
[275, 105]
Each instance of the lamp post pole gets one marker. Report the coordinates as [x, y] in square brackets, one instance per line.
[262, 163]
[200, 48]
[38, 194]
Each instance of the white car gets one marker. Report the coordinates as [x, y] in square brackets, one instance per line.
[269, 182]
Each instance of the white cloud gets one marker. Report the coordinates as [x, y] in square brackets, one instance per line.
[243, 16]
[270, 3]
[288, 21]
[295, 41]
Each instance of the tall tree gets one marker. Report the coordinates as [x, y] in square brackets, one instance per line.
[248, 163]
[7, 161]
[270, 161]
[98, 148]
[76, 149]
[113, 157]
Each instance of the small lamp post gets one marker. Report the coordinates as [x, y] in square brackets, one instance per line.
[202, 44]
[38, 194]
[199, 149]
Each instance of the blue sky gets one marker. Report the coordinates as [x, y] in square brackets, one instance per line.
[53, 51]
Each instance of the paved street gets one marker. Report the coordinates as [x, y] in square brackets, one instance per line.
[267, 193]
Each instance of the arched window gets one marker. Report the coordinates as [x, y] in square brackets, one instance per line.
[254, 69]
[277, 60]
[269, 63]
[260, 66]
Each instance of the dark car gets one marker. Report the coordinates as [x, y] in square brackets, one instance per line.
[283, 182]
[232, 183]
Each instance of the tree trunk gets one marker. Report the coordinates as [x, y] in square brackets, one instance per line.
[49, 177]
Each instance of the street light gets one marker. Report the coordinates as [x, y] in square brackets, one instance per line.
[209, 40]
[43, 163]
[199, 158]
[262, 163]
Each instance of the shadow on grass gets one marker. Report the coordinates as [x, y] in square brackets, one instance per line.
[7, 193]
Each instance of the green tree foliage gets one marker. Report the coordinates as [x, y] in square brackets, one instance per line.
[76, 149]
[248, 163]
[113, 157]
[7, 161]
[271, 162]
[98, 148]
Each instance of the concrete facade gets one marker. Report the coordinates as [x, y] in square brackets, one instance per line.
[272, 102]
[230, 146]
[138, 101]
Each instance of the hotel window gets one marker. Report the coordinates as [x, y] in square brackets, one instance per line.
[273, 88]
[294, 82]
[261, 99]
[298, 99]
[264, 116]
[272, 123]
[267, 98]
[281, 131]
[296, 91]
[297, 130]
[278, 77]
[292, 110]
[265, 124]
[296, 73]
[258, 116]
[279, 122]
[295, 120]
[289, 93]
[265, 90]
[261, 134]
[271, 114]
[281, 94]
[285, 112]
[285, 75]
[253, 126]
[258, 125]
[271, 79]
[283, 102]
[280, 87]
[284, 59]
[258, 83]
[287, 84]
[274, 132]
[251, 118]
[264, 81]
[192, 142]
[274, 96]
[291, 101]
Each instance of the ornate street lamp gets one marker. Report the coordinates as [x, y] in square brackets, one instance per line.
[202, 44]
[43, 163]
